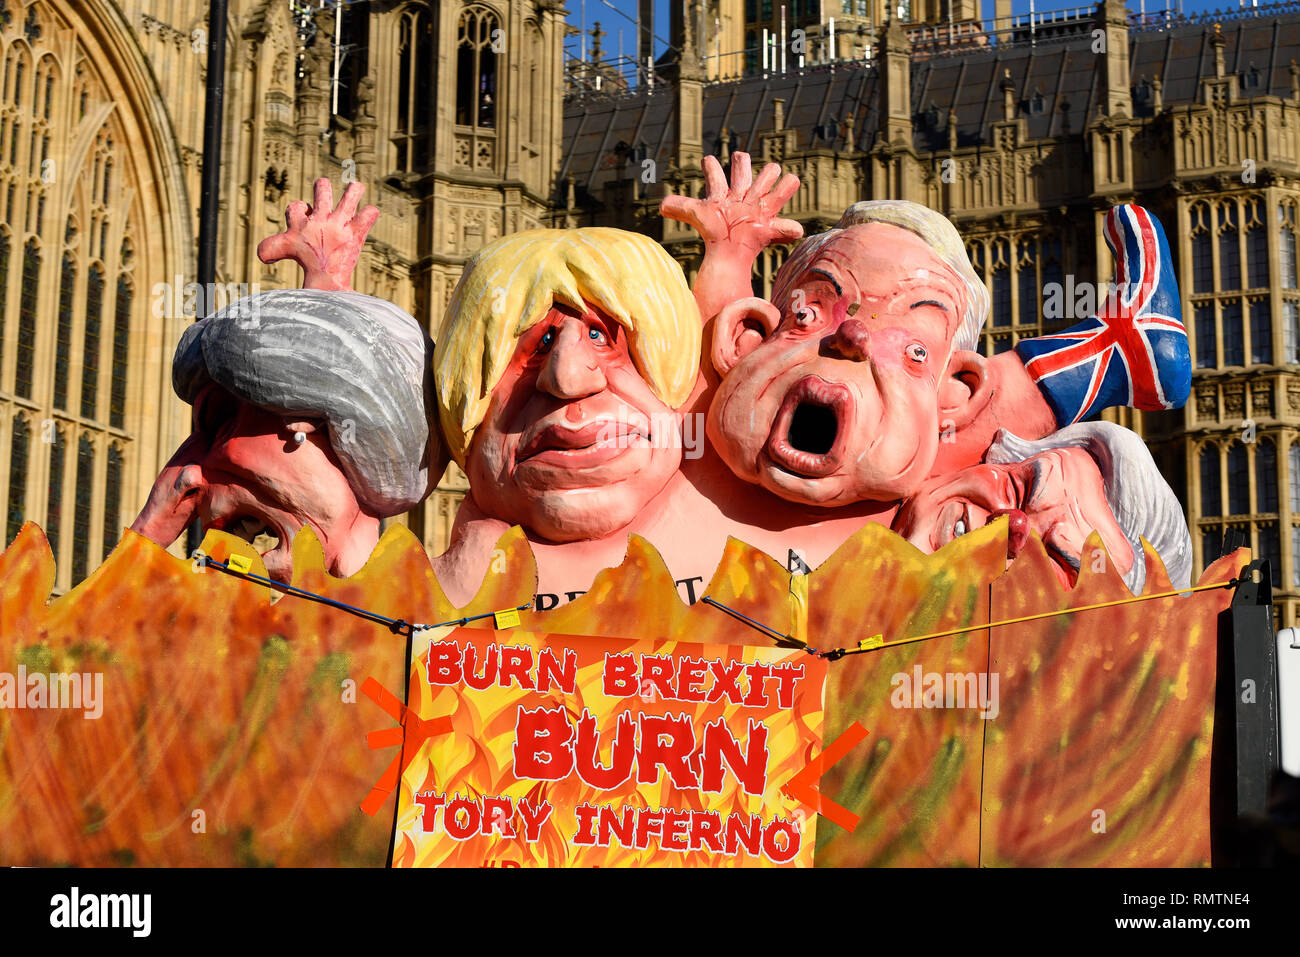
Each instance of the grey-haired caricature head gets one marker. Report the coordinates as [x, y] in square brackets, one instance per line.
[310, 407]
[832, 392]
[1144, 505]
[1093, 476]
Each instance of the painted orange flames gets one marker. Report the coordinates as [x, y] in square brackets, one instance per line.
[233, 734]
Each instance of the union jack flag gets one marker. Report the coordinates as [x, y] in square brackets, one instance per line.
[1134, 350]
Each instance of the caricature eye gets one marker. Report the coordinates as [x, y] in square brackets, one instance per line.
[596, 335]
[916, 352]
[548, 337]
[805, 317]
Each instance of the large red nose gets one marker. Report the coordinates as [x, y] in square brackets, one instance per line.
[176, 496]
[1017, 529]
[851, 341]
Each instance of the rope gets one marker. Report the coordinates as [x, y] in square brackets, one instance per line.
[781, 639]
[838, 653]
[397, 626]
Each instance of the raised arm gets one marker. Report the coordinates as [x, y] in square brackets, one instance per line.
[326, 242]
[736, 222]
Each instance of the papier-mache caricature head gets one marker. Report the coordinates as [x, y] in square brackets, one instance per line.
[309, 408]
[838, 390]
[1091, 476]
[559, 368]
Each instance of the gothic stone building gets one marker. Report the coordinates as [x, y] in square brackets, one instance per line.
[1025, 140]
[449, 112]
[455, 116]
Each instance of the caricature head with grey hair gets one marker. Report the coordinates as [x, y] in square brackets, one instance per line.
[1093, 476]
[838, 389]
[934, 228]
[310, 407]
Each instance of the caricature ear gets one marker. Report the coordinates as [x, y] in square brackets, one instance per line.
[739, 329]
[965, 391]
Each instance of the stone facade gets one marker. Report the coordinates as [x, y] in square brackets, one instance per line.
[1025, 140]
[455, 117]
[101, 119]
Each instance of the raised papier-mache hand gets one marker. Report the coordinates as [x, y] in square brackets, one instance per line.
[736, 222]
[324, 241]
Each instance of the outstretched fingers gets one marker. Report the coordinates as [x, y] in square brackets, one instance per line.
[351, 197]
[766, 177]
[680, 208]
[295, 216]
[362, 222]
[715, 183]
[274, 248]
[323, 201]
[781, 193]
[742, 175]
[786, 231]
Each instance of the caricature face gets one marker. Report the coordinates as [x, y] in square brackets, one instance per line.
[1059, 494]
[242, 472]
[575, 442]
[838, 398]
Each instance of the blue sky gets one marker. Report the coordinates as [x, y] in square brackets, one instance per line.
[611, 22]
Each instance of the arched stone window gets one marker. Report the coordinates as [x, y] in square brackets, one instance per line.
[1261, 331]
[478, 39]
[1286, 247]
[112, 499]
[1238, 481]
[414, 85]
[1293, 460]
[1234, 344]
[1207, 355]
[121, 346]
[30, 289]
[54, 497]
[20, 440]
[4, 293]
[1027, 281]
[1211, 489]
[90, 343]
[1256, 245]
[82, 193]
[1000, 282]
[1265, 476]
[1202, 257]
[81, 508]
[63, 332]
[1229, 247]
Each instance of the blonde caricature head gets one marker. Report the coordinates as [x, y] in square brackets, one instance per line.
[511, 284]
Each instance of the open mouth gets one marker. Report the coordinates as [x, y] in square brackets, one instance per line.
[254, 529]
[807, 437]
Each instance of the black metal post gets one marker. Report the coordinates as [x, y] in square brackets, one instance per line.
[1255, 688]
[1247, 745]
[210, 184]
